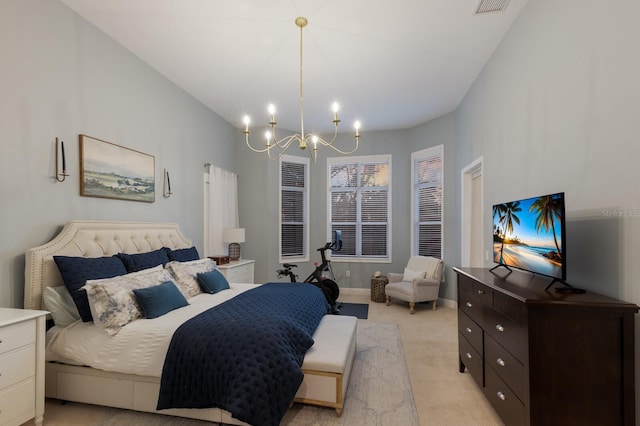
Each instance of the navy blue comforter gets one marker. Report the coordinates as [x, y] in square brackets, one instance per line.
[244, 355]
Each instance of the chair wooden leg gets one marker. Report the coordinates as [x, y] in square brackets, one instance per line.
[412, 308]
[388, 300]
[435, 302]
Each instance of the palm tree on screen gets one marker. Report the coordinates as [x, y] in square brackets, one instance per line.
[507, 216]
[548, 209]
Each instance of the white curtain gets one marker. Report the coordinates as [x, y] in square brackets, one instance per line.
[220, 207]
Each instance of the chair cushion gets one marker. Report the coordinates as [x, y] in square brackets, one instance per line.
[402, 290]
[430, 265]
[410, 275]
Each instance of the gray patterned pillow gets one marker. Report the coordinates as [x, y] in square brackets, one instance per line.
[112, 302]
[186, 274]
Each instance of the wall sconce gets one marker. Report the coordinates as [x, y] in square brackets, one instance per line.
[60, 177]
[233, 236]
[166, 184]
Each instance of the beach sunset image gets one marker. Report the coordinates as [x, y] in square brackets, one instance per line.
[527, 234]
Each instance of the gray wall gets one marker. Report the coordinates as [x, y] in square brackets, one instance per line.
[259, 213]
[62, 77]
[556, 109]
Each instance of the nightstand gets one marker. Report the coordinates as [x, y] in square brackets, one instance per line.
[22, 335]
[238, 271]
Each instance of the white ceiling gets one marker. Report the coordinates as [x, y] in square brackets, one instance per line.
[390, 64]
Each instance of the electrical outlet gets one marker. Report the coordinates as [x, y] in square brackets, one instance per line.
[348, 274]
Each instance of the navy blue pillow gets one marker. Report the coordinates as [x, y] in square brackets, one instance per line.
[158, 300]
[140, 261]
[183, 255]
[76, 271]
[212, 282]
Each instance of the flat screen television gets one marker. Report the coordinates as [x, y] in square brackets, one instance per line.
[529, 234]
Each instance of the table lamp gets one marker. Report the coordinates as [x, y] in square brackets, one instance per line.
[233, 236]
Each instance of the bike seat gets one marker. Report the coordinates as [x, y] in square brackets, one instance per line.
[289, 265]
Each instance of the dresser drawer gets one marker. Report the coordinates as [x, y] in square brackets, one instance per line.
[17, 403]
[510, 370]
[467, 300]
[509, 306]
[470, 330]
[16, 335]
[471, 359]
[508, 333]
[17, 365]
[483, 293]
[510, 409]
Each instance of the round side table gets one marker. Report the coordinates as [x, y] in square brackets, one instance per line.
[377, 288]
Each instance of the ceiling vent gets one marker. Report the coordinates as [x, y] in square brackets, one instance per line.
[489, 6]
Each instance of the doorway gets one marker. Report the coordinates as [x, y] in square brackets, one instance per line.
[472, 215]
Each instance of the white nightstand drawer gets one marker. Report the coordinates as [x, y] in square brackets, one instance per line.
[238, 272]
[16, 403]
[16, 366]
[16, 335]
[241, 274]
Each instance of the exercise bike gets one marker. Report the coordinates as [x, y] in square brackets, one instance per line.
[328, 286]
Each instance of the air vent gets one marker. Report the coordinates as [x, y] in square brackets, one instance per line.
[489, 6]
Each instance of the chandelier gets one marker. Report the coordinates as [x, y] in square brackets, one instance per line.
[275, 147]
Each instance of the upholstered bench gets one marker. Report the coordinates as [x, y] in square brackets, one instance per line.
[327, 365]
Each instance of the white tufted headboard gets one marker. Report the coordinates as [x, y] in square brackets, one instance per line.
[93, 239]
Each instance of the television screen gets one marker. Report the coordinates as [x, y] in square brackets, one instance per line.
[529, 234]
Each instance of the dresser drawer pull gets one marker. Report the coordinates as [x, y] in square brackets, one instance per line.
[500, 328]
[468, 355]
[469, 305]
[468, 330]
[481, 292]
[501, 396]
[500, 362]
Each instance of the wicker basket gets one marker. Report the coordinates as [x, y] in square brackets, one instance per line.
[377, 288]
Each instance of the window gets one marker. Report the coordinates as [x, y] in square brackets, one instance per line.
[294, 208]
[359, 206]
[427, 175]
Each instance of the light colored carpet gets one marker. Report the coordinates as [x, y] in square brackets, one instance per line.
[379, 391]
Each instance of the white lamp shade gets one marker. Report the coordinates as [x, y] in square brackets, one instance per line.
[233, 235]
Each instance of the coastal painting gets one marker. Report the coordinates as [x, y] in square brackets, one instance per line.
[112, 171]
[527, 234]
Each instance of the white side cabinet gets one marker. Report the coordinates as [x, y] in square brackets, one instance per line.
[22, 334]
[239, 271]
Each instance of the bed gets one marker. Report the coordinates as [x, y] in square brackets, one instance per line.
[326, 367]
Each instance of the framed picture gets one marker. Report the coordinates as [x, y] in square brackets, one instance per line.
[112, 171]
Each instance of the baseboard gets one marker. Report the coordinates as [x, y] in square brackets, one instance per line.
[354, 291]
[366, 291]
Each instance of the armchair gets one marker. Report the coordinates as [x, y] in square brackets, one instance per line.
[420, 282]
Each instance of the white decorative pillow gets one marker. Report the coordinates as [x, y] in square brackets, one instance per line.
[112, 302]
[186, 274]
[410, 275]
[59, 302]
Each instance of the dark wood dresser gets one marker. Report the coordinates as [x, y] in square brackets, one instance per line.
[543, 357]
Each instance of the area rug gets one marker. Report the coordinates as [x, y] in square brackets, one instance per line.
[379, 391]
[358, 310]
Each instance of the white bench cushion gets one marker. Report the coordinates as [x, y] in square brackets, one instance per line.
[332, 343]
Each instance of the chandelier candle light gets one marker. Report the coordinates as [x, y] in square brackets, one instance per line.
[275, 147]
